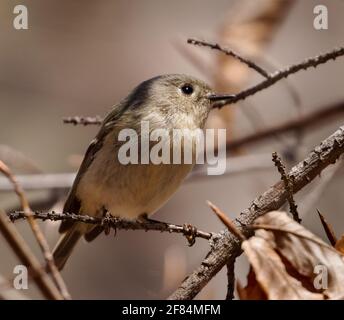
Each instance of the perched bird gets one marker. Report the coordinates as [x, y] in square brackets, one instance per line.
[132, 191]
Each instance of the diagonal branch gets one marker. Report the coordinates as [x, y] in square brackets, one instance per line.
[226, 247]
[224, 99]
[230, 266]
[43, 243]
[25, 255]
[228, 52]
[312, 120]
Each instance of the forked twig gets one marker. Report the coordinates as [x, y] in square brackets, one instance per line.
[224, 99]
[227, 248]
[228, 52]
[288, 186]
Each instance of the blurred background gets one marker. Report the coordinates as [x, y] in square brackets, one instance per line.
[81, 57]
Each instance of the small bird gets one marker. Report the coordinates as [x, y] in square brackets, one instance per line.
[132, 191]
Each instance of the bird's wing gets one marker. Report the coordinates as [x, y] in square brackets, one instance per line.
[73, 204]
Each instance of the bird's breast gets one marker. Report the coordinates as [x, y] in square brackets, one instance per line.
[127, 190]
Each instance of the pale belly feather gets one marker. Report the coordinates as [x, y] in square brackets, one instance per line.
[127, 191]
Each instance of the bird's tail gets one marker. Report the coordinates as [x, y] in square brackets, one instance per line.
[65, 245]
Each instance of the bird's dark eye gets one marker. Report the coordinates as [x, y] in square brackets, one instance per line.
[187, 89]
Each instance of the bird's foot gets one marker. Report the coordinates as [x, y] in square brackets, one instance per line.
[107, 223]
[190, 233]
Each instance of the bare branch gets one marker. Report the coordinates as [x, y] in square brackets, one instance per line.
[322, 115]
[230, 281]
[224, 99]
[226, 247]
[115, 223]
[27, 258]
[216, 46]
[226, 221]
[288, 184]
[196, 60]
[83, 120]
[37, 232]
[230, 266]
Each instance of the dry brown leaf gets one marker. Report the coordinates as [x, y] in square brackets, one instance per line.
[305, 252]
[253, 290]
[271, 273]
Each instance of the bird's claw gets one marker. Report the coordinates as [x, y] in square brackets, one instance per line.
[106, 223]
[190, 232]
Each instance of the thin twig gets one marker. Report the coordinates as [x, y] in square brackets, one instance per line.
[328, 229]
[290, 87]
[288, 184]
[83, 120]
[114, 223]
[43, 244]
[226, 221]
[25, 255]
[226, 247]
[230, 266]
[230, 281]
[224, 99]
[312, 120]
[228, 52]
[194, 59]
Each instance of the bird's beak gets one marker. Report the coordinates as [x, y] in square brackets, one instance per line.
[218, 97]
[219, 100]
